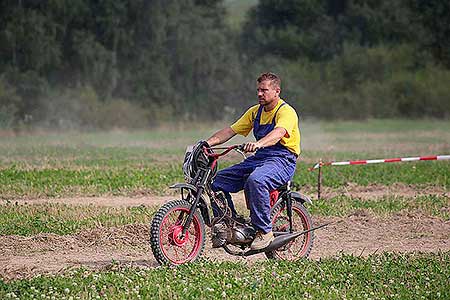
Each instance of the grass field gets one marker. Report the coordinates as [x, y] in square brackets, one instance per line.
[388, 276]
[28, 220]
[120, 163]
[54, 166]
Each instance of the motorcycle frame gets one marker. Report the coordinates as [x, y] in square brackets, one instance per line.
[202, 181]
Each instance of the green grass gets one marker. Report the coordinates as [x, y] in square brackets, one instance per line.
[387, 276]
[61, 219]
[387, 126]
[27, 220]
[384, 206]
[126, 163]
[374, 139]
[123, 163]
[96, 150]
[431, 173]
[17, 182]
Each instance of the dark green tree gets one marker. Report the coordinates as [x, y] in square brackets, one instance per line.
[172, 55]
[317, 29]
[434, 16]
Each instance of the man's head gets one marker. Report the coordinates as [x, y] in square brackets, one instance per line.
[268, 90]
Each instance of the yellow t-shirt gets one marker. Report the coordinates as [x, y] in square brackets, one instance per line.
[286, 118]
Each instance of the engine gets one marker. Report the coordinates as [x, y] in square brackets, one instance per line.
[236, 235]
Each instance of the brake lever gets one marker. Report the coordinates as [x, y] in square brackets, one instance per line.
[241, 152]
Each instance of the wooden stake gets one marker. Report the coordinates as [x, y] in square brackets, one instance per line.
[319, 180]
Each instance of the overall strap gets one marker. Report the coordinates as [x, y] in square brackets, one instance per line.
[258, 114]
[275, 115]
[257, 119]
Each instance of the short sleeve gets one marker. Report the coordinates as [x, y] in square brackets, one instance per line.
[244, 124]
[286, 118]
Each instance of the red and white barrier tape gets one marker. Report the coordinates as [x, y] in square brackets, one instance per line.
[377, 161]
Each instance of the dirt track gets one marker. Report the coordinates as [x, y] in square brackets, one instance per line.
[358, 234]
[350, 190]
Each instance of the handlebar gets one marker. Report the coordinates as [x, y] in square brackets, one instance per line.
[227, 150]
[238, 148]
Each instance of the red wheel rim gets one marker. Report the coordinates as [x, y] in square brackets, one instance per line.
[298, 247]
[177, 249]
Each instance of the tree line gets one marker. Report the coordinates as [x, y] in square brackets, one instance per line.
[121, 63]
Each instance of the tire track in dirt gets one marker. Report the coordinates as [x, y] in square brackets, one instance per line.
[358, 234]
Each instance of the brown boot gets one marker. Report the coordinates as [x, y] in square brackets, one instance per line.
[262, 240]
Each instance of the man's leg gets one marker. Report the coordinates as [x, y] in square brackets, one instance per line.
[216, 210]
[270, 175]
[231, 180]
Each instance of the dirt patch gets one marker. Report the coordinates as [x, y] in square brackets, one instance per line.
[358, 234]
[114, 201]
[372, 191]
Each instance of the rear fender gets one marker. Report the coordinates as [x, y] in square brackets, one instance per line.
[202, 202]
[296, 196]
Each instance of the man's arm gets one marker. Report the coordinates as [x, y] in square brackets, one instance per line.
[270, 139]
[221, 136]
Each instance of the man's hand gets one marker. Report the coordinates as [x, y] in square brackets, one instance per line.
[202, 143]
[251, 147]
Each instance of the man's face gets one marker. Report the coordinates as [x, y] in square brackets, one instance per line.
[267, 93]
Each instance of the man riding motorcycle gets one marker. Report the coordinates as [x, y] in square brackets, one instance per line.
[277, 146]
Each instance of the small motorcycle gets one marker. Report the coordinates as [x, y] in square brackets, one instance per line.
[178, 228]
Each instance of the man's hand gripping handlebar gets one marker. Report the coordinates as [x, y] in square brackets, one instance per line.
[241, 149]
[250, 147]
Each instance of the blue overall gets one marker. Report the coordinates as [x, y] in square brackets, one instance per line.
[267, 170]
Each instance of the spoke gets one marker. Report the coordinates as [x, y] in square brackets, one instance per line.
[172, 221]
[190, 239]
[171, 218]
[180, 218]
[193, 234]
[291, 252]
[294, 248]
[164, 237]
[185, 251]
[177, 255]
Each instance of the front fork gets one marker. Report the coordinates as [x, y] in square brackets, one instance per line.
[289, 211]
[200, 189]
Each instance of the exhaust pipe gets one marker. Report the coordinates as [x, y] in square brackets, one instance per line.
[282, 240]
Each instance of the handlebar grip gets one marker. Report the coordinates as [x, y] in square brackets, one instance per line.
[241, 147]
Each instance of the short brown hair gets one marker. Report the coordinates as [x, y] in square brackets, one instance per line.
[273, 78]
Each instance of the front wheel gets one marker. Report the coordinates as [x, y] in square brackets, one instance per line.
[301, 221]
[166, 240]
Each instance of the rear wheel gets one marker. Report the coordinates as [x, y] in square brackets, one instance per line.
[168, 244]
[301, 221]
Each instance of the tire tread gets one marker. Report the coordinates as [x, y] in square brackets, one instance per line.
[155, 228]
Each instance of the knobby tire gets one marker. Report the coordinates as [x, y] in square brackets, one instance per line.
[167, 246]
[301, 246]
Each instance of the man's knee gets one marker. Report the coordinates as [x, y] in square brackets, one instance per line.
[220, 181]
[215, 187]
[255, 180]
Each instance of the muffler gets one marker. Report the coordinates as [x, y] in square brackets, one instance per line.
[282, 240]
